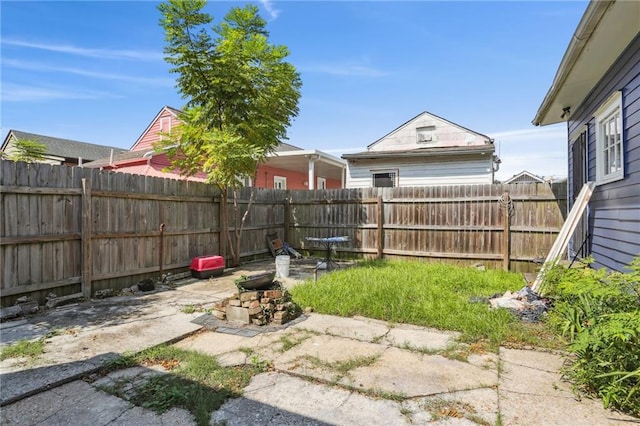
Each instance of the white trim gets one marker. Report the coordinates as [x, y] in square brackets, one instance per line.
[317, 155]
[321, 183]
[609, 114]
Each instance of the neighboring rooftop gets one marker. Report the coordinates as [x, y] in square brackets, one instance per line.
[525, 177]
[65, 148]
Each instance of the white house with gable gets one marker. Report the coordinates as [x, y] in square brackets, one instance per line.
[426, 150]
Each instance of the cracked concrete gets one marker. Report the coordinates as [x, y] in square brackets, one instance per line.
[325, 369]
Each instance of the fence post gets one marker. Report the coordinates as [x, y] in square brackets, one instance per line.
[507, 208]
[222, 236]
[86, 238]
[287, 210]
[380, 227]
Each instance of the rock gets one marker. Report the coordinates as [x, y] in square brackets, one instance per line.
[126, 291]
[103, 294]
[146, 285]
[134, 288]
[479, 266]
[63, 300]
[29, 307]
[51, 296]
[10, 312]
[23, 299]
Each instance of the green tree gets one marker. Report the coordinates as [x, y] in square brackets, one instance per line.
[28, 150]
[241, 96]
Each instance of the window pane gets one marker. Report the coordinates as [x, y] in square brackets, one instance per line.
[384, 180]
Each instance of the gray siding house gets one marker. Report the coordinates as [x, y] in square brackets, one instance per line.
[426, 150]
[596, 90]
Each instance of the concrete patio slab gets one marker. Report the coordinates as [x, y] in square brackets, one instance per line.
[414, 374]
[318, 357]
[477, 405]
[352, 328]
[532, 392]
[274, 398]
[63, 404]
[419, 338]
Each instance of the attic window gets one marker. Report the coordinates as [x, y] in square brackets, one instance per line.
[165, 125]
[426, 134]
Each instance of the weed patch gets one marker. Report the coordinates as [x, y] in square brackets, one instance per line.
[23, 348]
[196, 382]
[599, 314]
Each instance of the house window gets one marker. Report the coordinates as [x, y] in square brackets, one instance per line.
[384, 179]
[279, 182]
[165, 125]
[426, 134]
[322, 183]
[609, 142]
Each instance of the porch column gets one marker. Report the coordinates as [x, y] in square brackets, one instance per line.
[312, 172]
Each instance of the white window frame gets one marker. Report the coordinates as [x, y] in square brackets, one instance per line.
[279, 182]
[165, 125]
[607, 116]
[246, 182]
[396, 177]
[321, 183]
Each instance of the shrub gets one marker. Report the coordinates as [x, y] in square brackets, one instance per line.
[599, 313]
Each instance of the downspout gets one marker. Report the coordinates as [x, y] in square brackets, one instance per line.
[147, 156]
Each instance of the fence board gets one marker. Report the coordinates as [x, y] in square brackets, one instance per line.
[42, 221]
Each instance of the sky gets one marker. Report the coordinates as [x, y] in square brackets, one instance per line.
[94, 71]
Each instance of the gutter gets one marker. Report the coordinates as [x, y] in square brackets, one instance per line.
[430, 152]
[595, 10]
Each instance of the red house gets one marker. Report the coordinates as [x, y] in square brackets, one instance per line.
[289, 167]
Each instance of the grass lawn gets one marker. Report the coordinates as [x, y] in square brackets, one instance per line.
[429, 294]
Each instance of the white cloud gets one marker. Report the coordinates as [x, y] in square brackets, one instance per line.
[557, 131]
[33, 66]
[271, 10]
[18, 93]
[145, 55]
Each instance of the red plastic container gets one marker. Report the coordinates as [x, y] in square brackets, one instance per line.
[207, 266]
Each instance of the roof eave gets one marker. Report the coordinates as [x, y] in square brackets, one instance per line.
[575, 76]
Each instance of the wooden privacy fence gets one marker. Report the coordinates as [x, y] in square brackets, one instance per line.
[69, 230]
[510, 226]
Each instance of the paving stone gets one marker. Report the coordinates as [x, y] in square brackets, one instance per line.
[273, 398]
[359, 329]
[528, 380]
[472, 404]
[415, 374]
[212, 343]
[406, 335]
[326, 350]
